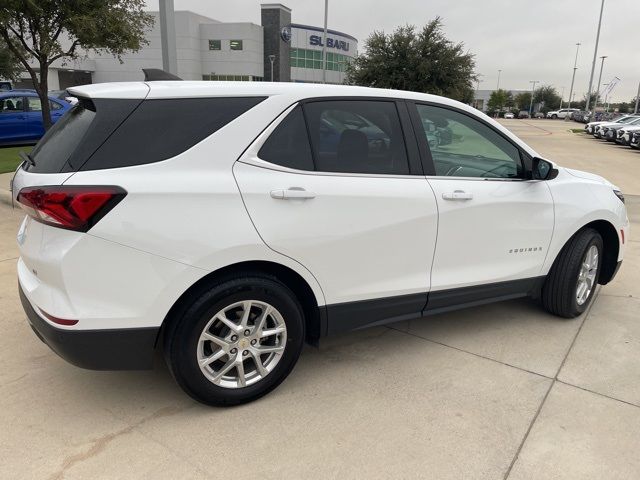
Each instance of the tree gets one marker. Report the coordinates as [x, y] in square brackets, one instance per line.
[39, 32]
[424, 61]
[10, 66]
[548, 97]
[499, 99]
[523, 100]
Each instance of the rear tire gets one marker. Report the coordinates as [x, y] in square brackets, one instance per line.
[564, 292]
[217, 361]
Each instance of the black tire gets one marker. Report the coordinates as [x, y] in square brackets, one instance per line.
[554, 116]
[181, 338]
[559, 290]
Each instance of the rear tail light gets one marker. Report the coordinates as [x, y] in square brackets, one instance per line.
[72, 207]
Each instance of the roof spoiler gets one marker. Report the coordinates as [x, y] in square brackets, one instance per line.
[154, 74]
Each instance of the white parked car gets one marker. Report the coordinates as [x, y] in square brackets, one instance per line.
[225, 224]
[509, 115]
[591, 127]
[562, 113]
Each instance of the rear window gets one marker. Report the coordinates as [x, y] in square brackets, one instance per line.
[54, 149]
[109, 133]
[72, 140]
[161, 129]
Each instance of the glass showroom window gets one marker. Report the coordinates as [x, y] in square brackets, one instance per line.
[231, 78]
[303, 58]
[215, 45]
[235, 44]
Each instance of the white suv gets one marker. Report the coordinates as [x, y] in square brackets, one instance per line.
[562, 113]
[225, 224]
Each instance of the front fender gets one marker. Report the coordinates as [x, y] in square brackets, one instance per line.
[579, 202]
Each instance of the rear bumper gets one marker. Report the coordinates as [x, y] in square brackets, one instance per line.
[114, 349]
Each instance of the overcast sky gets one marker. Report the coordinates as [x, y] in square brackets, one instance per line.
[526, 39]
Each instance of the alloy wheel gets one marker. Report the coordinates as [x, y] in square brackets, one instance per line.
[241, 344]
[587, 275]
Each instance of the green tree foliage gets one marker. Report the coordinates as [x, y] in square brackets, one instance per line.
[499, 99]
[10, 66]
[523, 100]
[39, 32]
[422, 61]
[548, 97]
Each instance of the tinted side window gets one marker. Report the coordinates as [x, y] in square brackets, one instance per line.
[357, 136]
[288, 145]
[462, 146]
[161, 129]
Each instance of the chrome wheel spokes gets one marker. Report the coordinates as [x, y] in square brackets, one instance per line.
[241, 344]
[587, 275]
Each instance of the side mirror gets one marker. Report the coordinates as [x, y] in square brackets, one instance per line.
[543, 170]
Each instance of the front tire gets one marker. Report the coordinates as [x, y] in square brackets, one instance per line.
[572, 280]
[237, 341]
[554, 116]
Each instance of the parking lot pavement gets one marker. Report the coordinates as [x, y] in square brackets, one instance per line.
[554, 139]
[500, 391]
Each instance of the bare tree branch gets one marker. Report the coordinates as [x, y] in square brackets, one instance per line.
[20, 37]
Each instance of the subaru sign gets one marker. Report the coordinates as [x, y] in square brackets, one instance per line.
[316, 41]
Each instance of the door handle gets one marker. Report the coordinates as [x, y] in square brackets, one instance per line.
[458, 195]
[292, 193]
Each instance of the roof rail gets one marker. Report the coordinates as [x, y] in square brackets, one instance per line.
[153, 74]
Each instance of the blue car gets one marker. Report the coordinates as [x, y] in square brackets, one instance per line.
[21, 116]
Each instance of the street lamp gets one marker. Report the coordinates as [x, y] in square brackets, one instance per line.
[595, 56]
[595, 102]
[573, 77]
[272, 59]
[533, 90]
[498, 85]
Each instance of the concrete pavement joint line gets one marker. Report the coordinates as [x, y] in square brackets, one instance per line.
[468, 352]
[619, 296]
[7, 259]
[547, 132]
[599, 394]
[553, 381]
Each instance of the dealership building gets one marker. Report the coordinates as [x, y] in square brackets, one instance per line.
[208, 49]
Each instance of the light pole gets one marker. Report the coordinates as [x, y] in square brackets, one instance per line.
[595, 56]
[595, 102]
[168, 36]
[272, 59]
[478, 81]
[573, 77]
[533, 90]
[606, 95]
[637, 99]
[324, 43]
[561, 99]
[498, 85]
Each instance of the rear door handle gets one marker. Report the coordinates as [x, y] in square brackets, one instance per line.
[292, 193]
[458, 195]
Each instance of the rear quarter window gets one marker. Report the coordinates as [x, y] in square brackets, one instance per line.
[163, 128]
